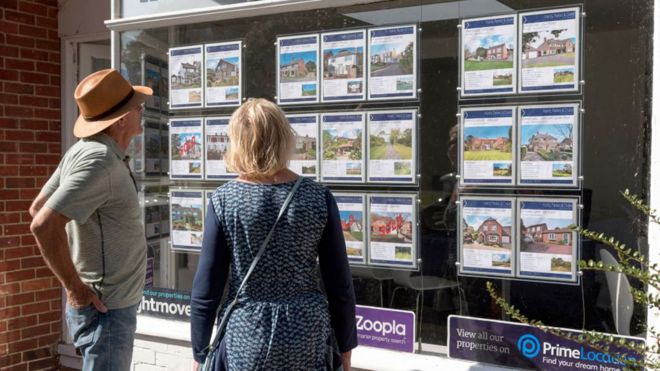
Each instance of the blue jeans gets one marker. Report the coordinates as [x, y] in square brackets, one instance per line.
[104, 339]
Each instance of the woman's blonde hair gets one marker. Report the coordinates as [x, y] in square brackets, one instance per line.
[260, 139]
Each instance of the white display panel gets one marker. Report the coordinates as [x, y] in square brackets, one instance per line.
[216, 145]
[342, 147]
[352, 212]
[298, 69]
[186, 76]
[223, 64]
[487, 236]
[393, 63]
[547, 247]
[486, 147]
[187, 219]
[392, 146]
[549, 51]
[488, 56]
[392, 230]
[549, 145]
[344, 66]
[305, 160]
[186, 148]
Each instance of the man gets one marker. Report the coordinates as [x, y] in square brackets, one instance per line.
[92, 199]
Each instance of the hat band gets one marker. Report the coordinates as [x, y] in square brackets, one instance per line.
[112, 109]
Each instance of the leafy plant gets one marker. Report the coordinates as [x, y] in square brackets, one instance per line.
[631, 263]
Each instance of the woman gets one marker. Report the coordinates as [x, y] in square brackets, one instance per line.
[283, 320]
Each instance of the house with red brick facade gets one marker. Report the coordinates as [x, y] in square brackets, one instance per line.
[558, 236]
[498, 53]
[491, 232]
[488, 144]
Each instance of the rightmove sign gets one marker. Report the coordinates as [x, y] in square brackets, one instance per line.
[518, 345]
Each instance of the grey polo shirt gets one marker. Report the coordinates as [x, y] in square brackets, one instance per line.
[93, 187]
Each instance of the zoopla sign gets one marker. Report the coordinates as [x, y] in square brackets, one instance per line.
[522, 346]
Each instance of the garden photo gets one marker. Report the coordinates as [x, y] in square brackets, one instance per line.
[501, 260]
[342, 144]
[187, 218]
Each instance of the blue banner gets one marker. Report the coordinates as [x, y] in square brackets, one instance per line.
[550, 17]
[342, 118]
[343, 37]
[489, 23]
[549, 111]
[549, 205]
[493, 113]
[217, 122]
[196, 50]
[186, 123]
[491, 204]
[393, 31]
[302, 119]
[394, 116]
[391, 200]
[299, 41]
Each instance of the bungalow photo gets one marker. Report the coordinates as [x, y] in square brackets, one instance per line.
[491, 52]
[547, 143]
[298, 67]
[216, 146]
[222, 71]
[186, 146]
[546, 236]
[391, 59]
[342, 144]
[352, 225]
[487, 233]
[187, 218]
[487, 143]
[549, 48]
[187, 74]
[391, 227]
[343, 63]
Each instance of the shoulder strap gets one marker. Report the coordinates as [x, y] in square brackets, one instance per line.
[225, 317]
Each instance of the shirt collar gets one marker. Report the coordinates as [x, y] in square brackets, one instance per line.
[108, 141]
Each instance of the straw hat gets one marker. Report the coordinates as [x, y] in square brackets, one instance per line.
[104, 98]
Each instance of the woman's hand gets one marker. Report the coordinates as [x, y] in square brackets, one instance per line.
[346, 360]
[195, 366]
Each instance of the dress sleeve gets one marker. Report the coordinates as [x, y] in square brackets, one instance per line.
[209, 284]
[337, 279]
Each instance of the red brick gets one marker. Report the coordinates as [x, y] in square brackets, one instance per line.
[19, 135]
[35, 124]
[47, 91]
[19, 17]
[22, 322]
[53, 35]
[33, 148]
[11, 87]
[32, 31]
[29, 240]
[8, 147]
[19, 64]
[6, 218]
[38, 55]
[10, 336]
[54, 57]
[47, 159]
[8, 98]
[10, 265]
[55, 80]
[35, 78]
[19, 346]
[19, 111]
[21, 275]
[20, 159]
[10, 288]
[50, 294]
[36, 262]
[52, 12]
[35, 308]
[30, 194]
[40, 353]
[50, 317]
[16, 205]
[53, 114]
[46, 22]
[16, 229]
[52, 68]
[8, 51]
[31, 8]
[48, 136]
[8, 27]
[8, 123]
[3, 326]
[15, 252]
[52, 339]
[55, 102]
[38, 284]
[20, 182]
[11, 312]
[54, 147]
[10, 4]
[20, 41]
[56, 304]
[44, 272]
[8, 170]
[19, 299]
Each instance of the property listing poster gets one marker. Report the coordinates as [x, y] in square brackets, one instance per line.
[343, 73]
[392, 231]
[152, 147]
[217, 144]
[351, 212]
[342, 147]
[393, 62]
[487, 146]
[223, 74]
[489, 55]
[488, 236]
[305, 159]
[298, 71]
[550, 50]
[152, 77]
[186, 148]
[187, 219]
[548, 145]
[152, 218]
[392, 146]
[185, 67]
[165, 148]
[548, 247]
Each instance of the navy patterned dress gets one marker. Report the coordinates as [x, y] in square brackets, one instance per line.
[284, 319]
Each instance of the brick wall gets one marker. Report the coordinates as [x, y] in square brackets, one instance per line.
[30, 297]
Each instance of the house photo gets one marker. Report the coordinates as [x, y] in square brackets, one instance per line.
[491, 52]
[223, 72]
[549, 48]
[547, 142]
[486, 233]
[487, 143]
[343, 63]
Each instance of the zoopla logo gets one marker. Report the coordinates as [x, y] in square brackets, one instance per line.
[529, 345]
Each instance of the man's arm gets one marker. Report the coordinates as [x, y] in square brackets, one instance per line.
[38, 203]
[48, 229]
